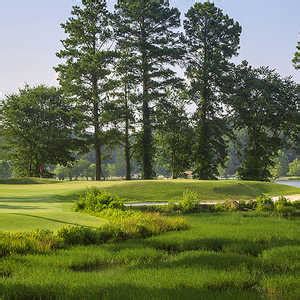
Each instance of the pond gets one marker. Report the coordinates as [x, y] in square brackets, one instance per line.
[295, 183]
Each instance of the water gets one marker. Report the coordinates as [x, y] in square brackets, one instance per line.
[295, 183]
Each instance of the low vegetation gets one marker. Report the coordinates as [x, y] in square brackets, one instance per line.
[222, 256]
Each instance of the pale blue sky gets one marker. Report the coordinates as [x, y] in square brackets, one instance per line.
[30, 36]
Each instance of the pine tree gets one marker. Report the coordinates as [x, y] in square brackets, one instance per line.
[123, 106]
[296, 59]
[149, 30]
[86, 67]
[212, 39]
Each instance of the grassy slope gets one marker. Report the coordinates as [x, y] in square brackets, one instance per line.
[25, 207]
[228, 256]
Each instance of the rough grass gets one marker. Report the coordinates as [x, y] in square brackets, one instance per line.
[25, 207]
[226, 256]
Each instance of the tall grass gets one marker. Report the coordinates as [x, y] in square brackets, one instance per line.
[222, 256]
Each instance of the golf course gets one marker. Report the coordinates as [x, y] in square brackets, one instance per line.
[212, 255]
[48, 204]
[149, 150]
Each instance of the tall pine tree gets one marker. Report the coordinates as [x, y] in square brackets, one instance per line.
[149, 29]
[212, 39]
[85, 70]
[296, 59]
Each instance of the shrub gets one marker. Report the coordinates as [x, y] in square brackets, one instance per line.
[189, 202]
[80, 235]
[296, 204]
[264, 203]
[122, 225]
[284, 208]
[95, 200]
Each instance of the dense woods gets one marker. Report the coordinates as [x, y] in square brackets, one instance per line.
[143, 94]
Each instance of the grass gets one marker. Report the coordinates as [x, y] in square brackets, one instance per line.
[222, 256]
[24, 207]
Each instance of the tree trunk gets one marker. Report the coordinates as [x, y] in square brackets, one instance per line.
[203, 171]
[147, 130]
[174, 173]
[98, 154]
[127, 143]
[97, 141]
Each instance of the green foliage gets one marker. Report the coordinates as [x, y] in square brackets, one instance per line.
[189, 201]
[40, 241]
[284, 208]
[294, 168]
[120, 226]
[5, 169]
[265, 124]
[148, 31]
[264, 203]
[39, 127]
[86, 67]
[212, 38]
[296, 59]
[95, 200]
[174, 136]
[228, 256]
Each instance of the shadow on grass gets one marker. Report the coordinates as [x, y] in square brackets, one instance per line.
[54, 220]
[42, 199]
[124, 291]
[17, 207]
[247, 247]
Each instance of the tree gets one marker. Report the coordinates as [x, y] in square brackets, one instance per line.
[296, 59]
[264, 105]
[39, 127]
[281, 165]
[123, 107]
[174, 134]
[294, 168]
[212, 39]
[148, 29]
[5, 169]
[84, 74]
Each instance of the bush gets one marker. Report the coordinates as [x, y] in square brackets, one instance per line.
[296, 204]
[189, 202]
[264, 203]
[85, 236]
[284, 208]
[95, 200]
[122, 225]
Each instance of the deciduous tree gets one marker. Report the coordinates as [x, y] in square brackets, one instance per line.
[264, 104]
[39, 126]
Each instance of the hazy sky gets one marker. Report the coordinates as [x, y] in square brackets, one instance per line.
[30, 36]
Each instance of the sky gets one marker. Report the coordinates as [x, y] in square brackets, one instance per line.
[30, 35]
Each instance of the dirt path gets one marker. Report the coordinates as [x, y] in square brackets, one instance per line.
[290, 198]
[141, 204]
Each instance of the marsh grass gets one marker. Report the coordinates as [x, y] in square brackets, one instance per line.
[222, 256]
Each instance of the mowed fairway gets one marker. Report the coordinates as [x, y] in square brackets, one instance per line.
[26, 207]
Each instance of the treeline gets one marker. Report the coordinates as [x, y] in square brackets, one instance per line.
[121, 84]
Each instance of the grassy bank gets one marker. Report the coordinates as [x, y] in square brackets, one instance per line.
[226, 256]
[25, 207]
